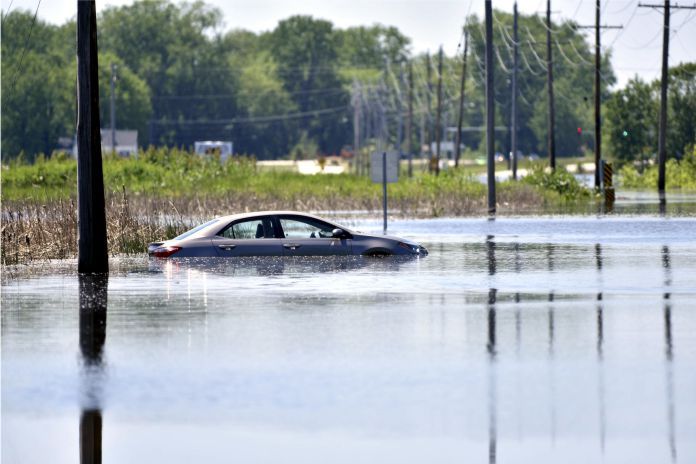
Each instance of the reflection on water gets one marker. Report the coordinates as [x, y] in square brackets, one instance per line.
[93, 304]
[515, 341]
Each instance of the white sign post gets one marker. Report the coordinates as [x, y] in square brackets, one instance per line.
[384, 167]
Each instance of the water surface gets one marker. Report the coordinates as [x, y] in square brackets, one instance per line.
[543, 339]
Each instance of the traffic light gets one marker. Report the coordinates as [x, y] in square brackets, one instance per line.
[579, 130]
[625, 133]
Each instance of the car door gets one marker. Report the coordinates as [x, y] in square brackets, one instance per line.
[305, 236]
[248, 237]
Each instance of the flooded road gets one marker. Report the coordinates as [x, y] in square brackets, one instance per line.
[543, 339]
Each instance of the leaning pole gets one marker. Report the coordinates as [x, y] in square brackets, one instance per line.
[92, 251]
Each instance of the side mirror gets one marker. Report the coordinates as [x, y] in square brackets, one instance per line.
[338, 233]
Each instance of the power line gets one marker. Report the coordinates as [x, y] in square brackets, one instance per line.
[26, 44]
[7, 12]
[257, 119]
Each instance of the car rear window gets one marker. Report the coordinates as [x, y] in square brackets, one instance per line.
[196, 229]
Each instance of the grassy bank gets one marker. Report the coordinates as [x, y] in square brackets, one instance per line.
[164, 192]
[678, 174]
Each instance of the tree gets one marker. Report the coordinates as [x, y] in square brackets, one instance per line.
[261, 94]
[631, 121]
[682, 108]
[186, 69]
[133, 106]
[37, 88]
[305, 50]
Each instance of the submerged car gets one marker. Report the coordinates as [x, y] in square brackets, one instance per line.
[279, 233]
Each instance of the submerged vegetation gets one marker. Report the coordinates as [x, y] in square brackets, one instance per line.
[163, 192]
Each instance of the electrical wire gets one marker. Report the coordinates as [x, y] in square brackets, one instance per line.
[577, 52]
[24, 50]
[258, 119]
[7, 12]
[529, 68]
[500, 61]
[572, 63]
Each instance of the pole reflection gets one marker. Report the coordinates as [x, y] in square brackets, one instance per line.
[663, 204]
[93, 302]
[491, 350]
[600, 349]
[552, 329]
[669, 353]
[492, 380]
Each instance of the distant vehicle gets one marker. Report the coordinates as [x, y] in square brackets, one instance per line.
[533, 157]
[210, 147]
[279, 233]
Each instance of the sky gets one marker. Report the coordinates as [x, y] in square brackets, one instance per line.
[636, 49]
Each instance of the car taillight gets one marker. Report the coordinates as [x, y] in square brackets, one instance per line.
[165, 251]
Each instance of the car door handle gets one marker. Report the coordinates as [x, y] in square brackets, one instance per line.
[227, 247]
[292, 246]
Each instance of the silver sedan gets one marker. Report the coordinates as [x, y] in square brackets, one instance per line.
[279, 233]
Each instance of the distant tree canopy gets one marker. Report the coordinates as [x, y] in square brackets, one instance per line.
[632, 116]
[291, 91]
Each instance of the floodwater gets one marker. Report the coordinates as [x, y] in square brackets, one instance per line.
[542, 339]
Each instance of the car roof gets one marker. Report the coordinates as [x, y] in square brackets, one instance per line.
[234, 217]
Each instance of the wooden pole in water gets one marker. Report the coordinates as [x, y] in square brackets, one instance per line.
[462, 83]
[490, 108]
[513, 124]
[409, 121]
[551, 136]
[662, 135]
[92, 251]
[438, 123]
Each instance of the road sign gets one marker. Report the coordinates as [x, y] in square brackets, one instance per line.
[377, 164]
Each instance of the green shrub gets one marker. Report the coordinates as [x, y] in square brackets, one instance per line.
[678, 174]
[559, 181]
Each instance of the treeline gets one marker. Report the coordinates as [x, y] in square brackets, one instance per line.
[293, 91]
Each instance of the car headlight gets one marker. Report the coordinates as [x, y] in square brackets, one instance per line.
[415, 249]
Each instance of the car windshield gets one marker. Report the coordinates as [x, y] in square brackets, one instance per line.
[195, 229]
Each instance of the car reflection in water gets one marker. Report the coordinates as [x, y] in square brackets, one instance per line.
[278, 265]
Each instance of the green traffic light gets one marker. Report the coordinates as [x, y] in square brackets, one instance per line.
[625, 133]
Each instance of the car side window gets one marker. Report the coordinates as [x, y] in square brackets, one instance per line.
[252, 229]
[305, 228]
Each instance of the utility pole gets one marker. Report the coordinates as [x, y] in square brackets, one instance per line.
[400, 127]
[92, 251]
[438, 121]
[409, 121]
[551, 142]
[597, 102]
[429, 126]
[513, 135]
[458, 150]
[113, 107]
[356, 126]
[490, 108]
[597, 94]
[661, 141]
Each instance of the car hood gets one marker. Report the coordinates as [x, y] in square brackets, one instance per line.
[388, 237]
